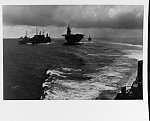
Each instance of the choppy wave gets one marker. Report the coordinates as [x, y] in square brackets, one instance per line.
[58, 86]
[101, 54]
[92, 70]
[140, 46]
[113, 69]
[135, 54]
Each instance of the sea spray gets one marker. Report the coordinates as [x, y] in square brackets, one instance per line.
[91, 70]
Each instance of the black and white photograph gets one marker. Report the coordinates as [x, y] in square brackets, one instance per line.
[76, 52]
[73, 52]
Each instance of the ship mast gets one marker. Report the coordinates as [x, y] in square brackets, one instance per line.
[68, 30]
[26, 34]
[40, 33]
[89, 38]
[36, 31]
[43, 31]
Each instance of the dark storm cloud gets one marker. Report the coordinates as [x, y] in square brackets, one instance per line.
[28, 15]
[117, 17]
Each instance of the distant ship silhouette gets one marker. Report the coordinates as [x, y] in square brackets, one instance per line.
[72, 38]
[40, 38]
[24, 40]
[37, 39]
[89, 39]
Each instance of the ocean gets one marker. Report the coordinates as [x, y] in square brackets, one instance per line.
[93, 70]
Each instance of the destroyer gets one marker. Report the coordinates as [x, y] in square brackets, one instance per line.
[72, 38]
[89, 39]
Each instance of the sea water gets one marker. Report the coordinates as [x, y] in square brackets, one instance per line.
[55, 71]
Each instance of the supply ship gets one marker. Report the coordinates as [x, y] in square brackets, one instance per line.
[37, 39]
[72, 38]
[40, 38]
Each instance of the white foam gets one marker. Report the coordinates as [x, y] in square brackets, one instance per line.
[115, 74]
[45, 84]
[131, 79]
[135, 54]
[106, 79]
[70, 69]
[103, 86]
[90, 54]
[140, 46]
[66, 69]
[85, 42]
[55, 72]
[100, 54]
[29, 43]
[46, 43]
[77, 90]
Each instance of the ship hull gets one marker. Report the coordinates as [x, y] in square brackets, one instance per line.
[89, 39]
[37, 39]
[72, 39]
[24, 40]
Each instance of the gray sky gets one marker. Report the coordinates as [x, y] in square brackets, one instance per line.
[99, 21]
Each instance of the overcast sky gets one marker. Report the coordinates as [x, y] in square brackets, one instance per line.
[99, 21]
